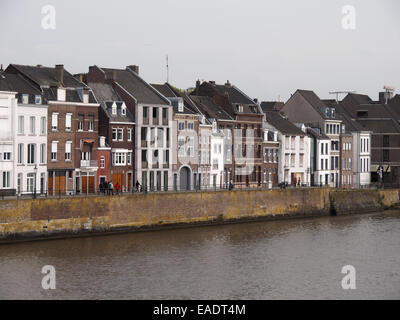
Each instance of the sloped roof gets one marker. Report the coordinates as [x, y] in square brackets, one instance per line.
[45, 76]
[235, 95]
[317, 134]
[104, 92]
[380, 125]
[271, 106]
[350, 124]
[137, 87]
[16, 83]
[164, 89]
[282, 124]
[119, 117]
[209, 108]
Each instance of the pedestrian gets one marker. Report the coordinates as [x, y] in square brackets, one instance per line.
[110, 188]
[137, 186]
[117, 186]
[101, 187]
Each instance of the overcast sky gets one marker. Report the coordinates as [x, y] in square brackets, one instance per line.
[266, 48]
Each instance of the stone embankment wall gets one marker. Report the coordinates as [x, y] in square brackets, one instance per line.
[43, 218]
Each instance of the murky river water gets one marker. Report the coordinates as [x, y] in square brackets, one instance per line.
[266, 260]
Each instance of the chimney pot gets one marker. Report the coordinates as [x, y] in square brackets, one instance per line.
[227, 84]
[212, 82]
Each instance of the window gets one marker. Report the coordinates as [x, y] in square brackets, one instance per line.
[32, 129]
[143, 134]
[119, 158]
[239, 108]
[129, 134]
[91, 123]
[6, 179]
[54, 150]
[54, 121]
[190, 126]
[25, 98]
[160, 137]
[322, 164]
[68, 145]
[128, 158]
[20, 124]
[301, 143]
[43, 125]
[215, 164]
[31, 153]
[19, 182]
[123, 109]
[38, 99]
[155, 113]
[7, 156]
[301, 160]
[181, 146]
[120, 134]
[114, 134]
[166, 157]
[102, 162]
[164, 113]
[20, 153]
[114, 109]
[145, 112]
[43, 153]
[181, 126]
[80, 122]
[61, 94]
[30, 178]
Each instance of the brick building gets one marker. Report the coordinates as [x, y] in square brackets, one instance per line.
[116, 124]
[72, 128]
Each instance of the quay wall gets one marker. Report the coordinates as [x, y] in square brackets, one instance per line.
[59, 217]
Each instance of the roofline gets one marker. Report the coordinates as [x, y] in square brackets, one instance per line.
[148, 85]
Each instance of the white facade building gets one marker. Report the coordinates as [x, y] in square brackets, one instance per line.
[217, 158]
[23, 143]
[362, 158]
[8, 104]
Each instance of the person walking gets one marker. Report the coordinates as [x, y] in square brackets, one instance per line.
[111, 188]
[137, 186]
[117, 186]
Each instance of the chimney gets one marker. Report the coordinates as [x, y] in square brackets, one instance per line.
[197, 87]
[255, 100]
[212, 82]
[59, 73]
[85, 95]
[227, 84]
[102, 141]
[134, 68]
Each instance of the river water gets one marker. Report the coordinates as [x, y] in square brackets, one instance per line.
[289, 259]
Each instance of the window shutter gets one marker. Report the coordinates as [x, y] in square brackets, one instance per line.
[68, 121]
[54, 147]
[54, 120]
[68, 147]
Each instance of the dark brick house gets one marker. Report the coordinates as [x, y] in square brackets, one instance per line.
[72, 128]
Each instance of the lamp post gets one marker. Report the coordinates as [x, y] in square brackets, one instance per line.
[34, 194]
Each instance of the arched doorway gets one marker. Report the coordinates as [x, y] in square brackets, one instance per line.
[184, 178]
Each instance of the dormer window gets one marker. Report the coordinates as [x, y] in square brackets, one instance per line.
[114, 109]
[25, 98]
[86, 98]
[180, 106]
[61, 94]
[38, 99]
[333, 112]
[239, 108]
[123, 109]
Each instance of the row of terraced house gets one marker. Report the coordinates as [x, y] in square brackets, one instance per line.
[68, 134]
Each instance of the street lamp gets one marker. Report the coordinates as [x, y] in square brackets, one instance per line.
[34, 194]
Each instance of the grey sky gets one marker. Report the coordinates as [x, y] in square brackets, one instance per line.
[266, 48]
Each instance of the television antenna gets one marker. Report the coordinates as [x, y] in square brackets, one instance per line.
[341, 92]
[167, 69]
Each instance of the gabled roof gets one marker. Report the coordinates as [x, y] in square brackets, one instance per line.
[165, 90]
[350, 124]
[380, 126]
[236, 96]
[137, 87]
[104, 92]
[16, 83]
[282, 124]
[118, 117]
[45, 76]
[355, 99]
[271, 106]
[312, 98]
[209, 108]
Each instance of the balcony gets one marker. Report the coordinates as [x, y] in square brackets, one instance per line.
[88, 163]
